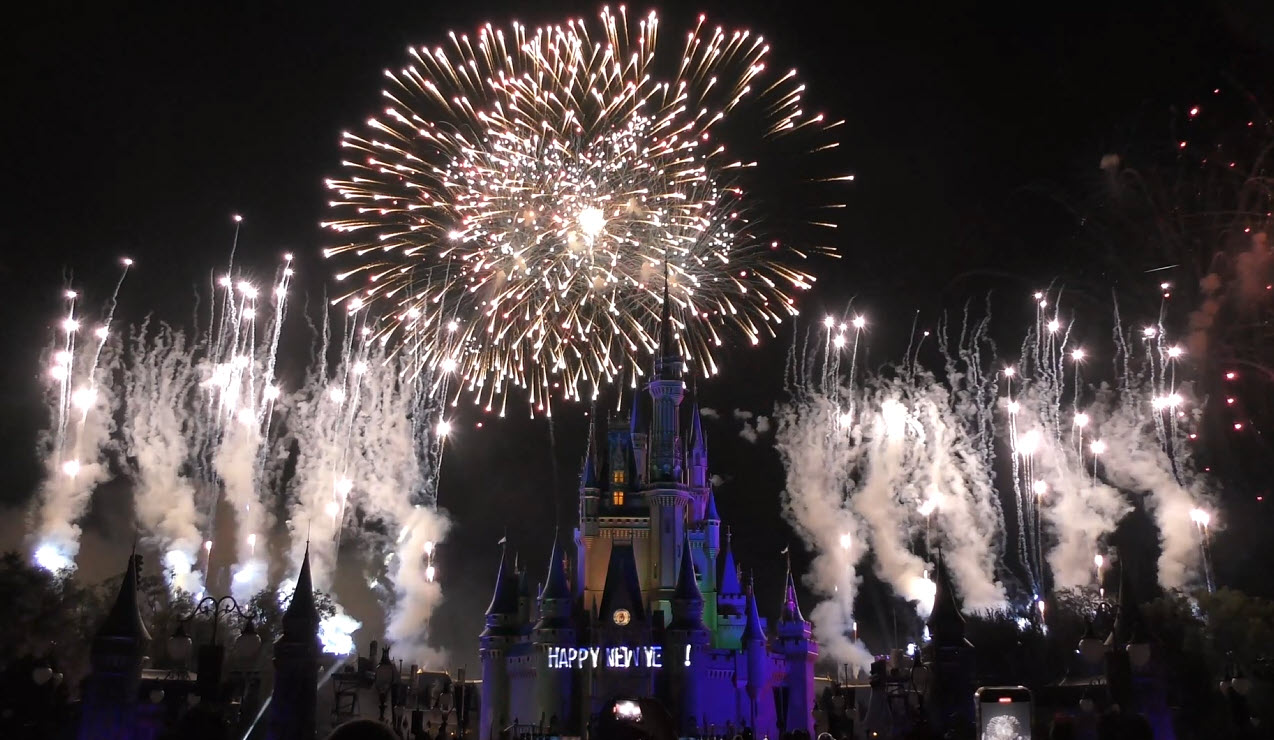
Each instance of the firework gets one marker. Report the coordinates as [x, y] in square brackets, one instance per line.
[205, 424]
[525, 195]
[904, 461]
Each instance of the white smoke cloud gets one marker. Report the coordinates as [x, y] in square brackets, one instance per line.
[754, 431]
[157, 386]
[83, 403]
[369, 447]
[818, 465]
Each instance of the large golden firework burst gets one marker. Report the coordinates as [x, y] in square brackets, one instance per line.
[515, 207]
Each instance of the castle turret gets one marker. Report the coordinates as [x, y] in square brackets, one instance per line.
[502, 633]
[795, 642]
[711, 549]
[296, 663]
[116, 659]
[638, 427]
[686, 642]
[698, 451]
[950, 658]
[731, 602]
[668, 498]
[553, 633]
[591, 484]
[666, 392]
[756, 657]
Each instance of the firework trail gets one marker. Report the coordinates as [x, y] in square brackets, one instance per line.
[233, 423]
[370, 439]
[518, 200]
[204, 423]
[75, 451]
[903, 462]
[159, 381]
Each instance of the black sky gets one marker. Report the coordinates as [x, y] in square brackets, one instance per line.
[139, 130]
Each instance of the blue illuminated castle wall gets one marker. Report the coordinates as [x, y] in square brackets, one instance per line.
[647, 600]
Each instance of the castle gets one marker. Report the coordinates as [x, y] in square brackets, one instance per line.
[653, 605]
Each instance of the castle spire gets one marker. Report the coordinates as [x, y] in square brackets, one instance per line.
[301, 617]
[710, 514]
[668, 363]
[791, 608]
[125, 619]
[687, 599]
[752, 630]
[946, 624]
[697, 441]
[504, 601]
[555, 584]
[588, 476]
[729, 571]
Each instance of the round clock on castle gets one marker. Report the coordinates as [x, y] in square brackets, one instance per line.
[622, 617]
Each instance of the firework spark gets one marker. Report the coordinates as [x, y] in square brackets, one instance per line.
[517, 204]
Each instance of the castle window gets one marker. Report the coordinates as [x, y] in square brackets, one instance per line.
[618, 477]
[617, 497]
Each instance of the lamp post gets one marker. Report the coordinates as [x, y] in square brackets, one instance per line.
[211, 656]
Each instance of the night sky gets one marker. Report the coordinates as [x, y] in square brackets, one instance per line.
[139, 132]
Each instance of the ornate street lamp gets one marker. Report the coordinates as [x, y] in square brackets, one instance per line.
[211, 656]
[247, 644]
[1091, 647]
[1138, 647]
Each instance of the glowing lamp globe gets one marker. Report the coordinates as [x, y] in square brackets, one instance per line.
[1091, 649]
[41, 675]
[179, 645]
[1241, 684]
[156, 696]
[249, 643]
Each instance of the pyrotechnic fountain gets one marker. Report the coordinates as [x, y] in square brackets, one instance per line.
[903, 462]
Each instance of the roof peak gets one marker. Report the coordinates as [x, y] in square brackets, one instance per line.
[301, 618]
[125, 617]
[752, 630]
[791, 607]
[504, 600]
[946, 624]
[555, 583]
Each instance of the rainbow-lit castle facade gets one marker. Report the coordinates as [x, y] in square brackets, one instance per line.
[648, 603]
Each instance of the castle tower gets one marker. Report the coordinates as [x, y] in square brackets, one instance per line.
[590, 484]
[950, 658]
[554, 631]
[731, 603]
[116, 659]
[503, 632]
[686, 642]
[667, 389]
[795, 642]
[296, 664]
[711, 549]
[757, 659]
[667, 496]
[698, 459]
[637, 433]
